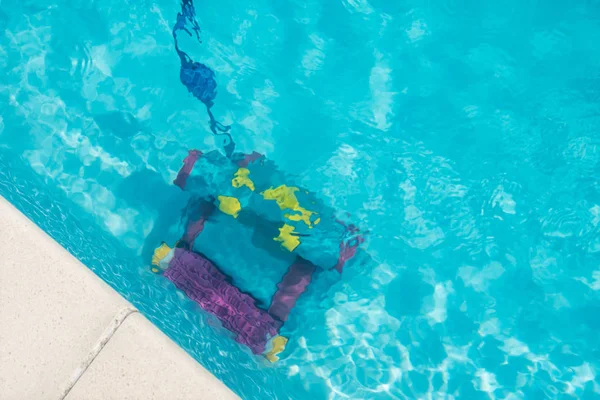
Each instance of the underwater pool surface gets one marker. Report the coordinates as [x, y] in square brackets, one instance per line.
[461, 137]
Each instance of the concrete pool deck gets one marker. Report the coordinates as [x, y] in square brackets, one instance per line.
[65, 334]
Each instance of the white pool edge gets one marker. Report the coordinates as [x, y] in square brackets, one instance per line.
[66, 334]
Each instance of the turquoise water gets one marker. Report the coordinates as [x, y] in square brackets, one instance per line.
[464, 135]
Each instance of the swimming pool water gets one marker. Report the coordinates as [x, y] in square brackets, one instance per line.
[464, 135]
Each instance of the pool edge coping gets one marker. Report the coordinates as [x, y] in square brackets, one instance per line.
[44, 244]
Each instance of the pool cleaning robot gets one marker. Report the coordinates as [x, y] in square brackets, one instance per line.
[245, 198]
